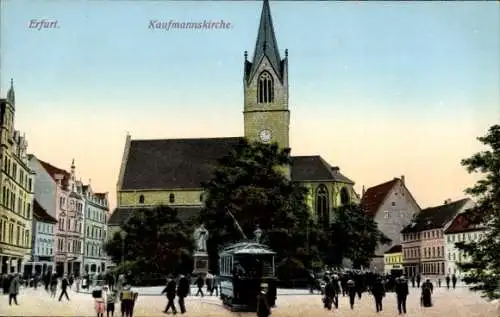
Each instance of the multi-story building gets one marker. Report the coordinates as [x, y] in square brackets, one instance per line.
[392, 207]
[466, 227]
[393, 260]
[43, 242]
[96, 218]
[423, 239]
[16, 179]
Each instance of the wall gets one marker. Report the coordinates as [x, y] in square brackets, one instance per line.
[432, 252]
[95, 232]
[45, 187]
[44, 239]
[453, 255]
[153, 198]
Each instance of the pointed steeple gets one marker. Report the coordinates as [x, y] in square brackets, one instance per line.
[11, 96]
[266, 44]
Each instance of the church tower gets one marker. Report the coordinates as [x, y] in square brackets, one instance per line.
[266, 115]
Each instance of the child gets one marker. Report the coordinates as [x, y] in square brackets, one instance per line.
[98, 296]
[110, 297]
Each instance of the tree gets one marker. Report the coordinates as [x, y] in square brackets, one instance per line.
[352, 235]
[249, 184]
[482, 272]
[156, 241]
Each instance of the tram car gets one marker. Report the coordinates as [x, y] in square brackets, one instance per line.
[245, 269]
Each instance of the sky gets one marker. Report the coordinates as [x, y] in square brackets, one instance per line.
[380, 89]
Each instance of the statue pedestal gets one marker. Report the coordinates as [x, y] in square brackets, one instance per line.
[200, 262]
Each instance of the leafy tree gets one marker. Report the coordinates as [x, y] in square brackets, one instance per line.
[156, 241]
[352, 235]
[249, 185]
[482, 272]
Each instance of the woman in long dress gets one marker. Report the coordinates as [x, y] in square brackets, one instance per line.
[426, 298]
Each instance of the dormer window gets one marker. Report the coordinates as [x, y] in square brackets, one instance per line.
[265, 89]
[141, 199]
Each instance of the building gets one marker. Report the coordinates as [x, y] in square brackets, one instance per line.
[423, 239]
[392, 207]
[43, 242]
[171, 171]
[96, 218]
[393, 260]
[16, 178]
[466, 227]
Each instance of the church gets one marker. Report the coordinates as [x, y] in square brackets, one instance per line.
[171, 171]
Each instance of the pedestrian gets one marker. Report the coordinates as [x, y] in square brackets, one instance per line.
[70, 281]
[170, 290]
[378, 293]
[99, 301]
[110, 300]
[14, 289]
[351, 292]
[263, 308]
[402, 292]
[427, 290]
[439, 282]
[209, 281]
[413, 281]
[53, 286]
[200, 282]
[418, 281]
[215, 286]
[454, 280]
[64, 288]
[182, 291]
[447, 281]
[127, 298]
[328, 298]
[336, 290]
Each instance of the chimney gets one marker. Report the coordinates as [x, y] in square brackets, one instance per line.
[335, 169]
[403, 179]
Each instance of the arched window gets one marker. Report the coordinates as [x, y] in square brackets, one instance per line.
[141, 199]
[171, 198]
[322, 205]
[344, 196]
[265, 89]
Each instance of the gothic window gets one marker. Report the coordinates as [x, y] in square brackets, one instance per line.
[265, 89]
[171, 198]
[322, 206]
[344, 196]
[141, 199]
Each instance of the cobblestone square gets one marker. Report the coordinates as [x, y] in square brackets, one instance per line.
[453, 303]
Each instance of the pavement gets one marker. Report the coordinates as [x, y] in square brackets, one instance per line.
[456, 303]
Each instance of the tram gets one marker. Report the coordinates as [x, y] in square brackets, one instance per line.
[246, 268]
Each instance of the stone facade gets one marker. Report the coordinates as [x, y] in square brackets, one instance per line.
[96, 217]
[160, 197]
[393, 261]
[16, 205]
[43, 248]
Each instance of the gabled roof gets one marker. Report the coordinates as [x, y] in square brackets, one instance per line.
[435, 217]
[40, 214]
[314, 168]
[53, 171]
[121, 214]
[394, 249]
[466, 222]
[266, 44]
[374, 196]
[187, 163]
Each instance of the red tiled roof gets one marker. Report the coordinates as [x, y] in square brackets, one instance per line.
[374, 196]
[468, 221]
[40, 214]
[52, 170]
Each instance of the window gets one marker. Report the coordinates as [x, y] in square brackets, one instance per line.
[344, 196]
[141, 199]
[322, 206]
[387, 214]
[171, 198]
[393, 203]
[265, 89]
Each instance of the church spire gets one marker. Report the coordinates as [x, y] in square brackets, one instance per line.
[11, 96]
[266, 44]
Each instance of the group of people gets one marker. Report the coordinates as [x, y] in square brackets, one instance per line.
[353, 285]
[107, 296]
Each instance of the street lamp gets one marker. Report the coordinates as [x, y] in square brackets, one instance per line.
[123, 235]
[257, 234]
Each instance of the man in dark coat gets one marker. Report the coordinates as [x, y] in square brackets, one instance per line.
[378, 293]
[401, 294]
[336, 290]
[170, 290]
[200, 282]
[351, 291]
[182, 292]
[447, 281]
[64, 288]
[454, 280]
[413, 281]
[328, 298]
[418, 281]
[427, 290]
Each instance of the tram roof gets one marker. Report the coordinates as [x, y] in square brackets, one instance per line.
[247, 248]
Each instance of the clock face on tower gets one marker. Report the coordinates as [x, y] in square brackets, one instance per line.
[265, 135]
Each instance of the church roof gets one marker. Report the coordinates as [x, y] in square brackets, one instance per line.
[121, 214]
[188, 163]
[266, 44]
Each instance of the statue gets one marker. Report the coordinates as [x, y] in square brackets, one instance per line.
[201, 237]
